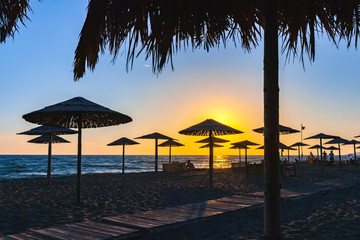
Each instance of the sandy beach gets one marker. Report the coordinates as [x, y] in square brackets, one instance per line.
[27, 204]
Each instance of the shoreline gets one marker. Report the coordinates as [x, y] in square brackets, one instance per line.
[29, 203]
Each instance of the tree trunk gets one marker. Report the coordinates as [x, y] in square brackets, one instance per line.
[271, 124]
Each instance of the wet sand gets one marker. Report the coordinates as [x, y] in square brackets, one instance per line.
[27, 204]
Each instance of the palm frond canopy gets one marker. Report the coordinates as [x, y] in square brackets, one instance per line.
[214, 139]
[209, 125]
[171, 143]
[68, 114]
[315, 146]
[337, 140]
[123, 141]
[321, 136]
[162, 28]
[46, 139]
[48, 130]
[351, 142]
[246, 143]
[11, 13]
[299, 144]
[154, 135]
[282, 130]
[214, 145]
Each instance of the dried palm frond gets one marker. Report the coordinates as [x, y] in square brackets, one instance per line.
[160, 28]
[12, 12]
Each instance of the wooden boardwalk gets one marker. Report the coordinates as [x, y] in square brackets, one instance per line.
[135, 225]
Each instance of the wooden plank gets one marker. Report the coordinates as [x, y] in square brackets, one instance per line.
[24, 236]
[106, 227]
[71, 234]
[78, 231]
[49, 234]
[131, 223]
[89, 230]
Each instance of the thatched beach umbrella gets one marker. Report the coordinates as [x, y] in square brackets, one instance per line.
[239, 147]
[210, 128]
[353, 142]
[281, 146]
[50, 132]
[123, 141]
[213, 145]
[155, 136]
[317, 147]
[245, 143]
[77, 113]
[170, 143]
[299, 144]
[214, 140]
[43, 139]
[282, 130]
[321, 136]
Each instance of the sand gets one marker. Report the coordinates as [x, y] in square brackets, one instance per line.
[27, 204]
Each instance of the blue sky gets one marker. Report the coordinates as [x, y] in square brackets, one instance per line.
[224, 84]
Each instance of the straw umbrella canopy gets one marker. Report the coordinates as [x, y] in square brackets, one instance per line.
[331, 148]
[282, 130]
[170, 143]
[214, 139]
[77, 113]
[123, 141]
[281, 146]
[317, 146]
[213, 145]
[50, 132]
[155, 136]
[299, 144]
[353, 142]
[321, 136]
[245, 143]
[239, 146]
[338, 141]
[44, 139]
[210, 128]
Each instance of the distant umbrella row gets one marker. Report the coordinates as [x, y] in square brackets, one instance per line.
[81, 113]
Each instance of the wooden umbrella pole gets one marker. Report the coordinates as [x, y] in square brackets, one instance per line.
[49, 161]
[123, 159]
[299, 152]
[79, 161]
[321, 155]
[156, 156]
[240, 156]
[246, 164]
[288, 155]
[211, 157]
[355, 156]
[170, 154]
[339, 155]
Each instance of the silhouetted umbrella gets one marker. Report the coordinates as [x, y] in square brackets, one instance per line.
[245, 143]
[282, 130]
[43, 139]
[353, 142]
[299, 144]
[215, 140]
[155, 136]
[321, 136]
[331, 148]
[281, 146]
[214, 145]
[123, 141]
[50, 132]
[317, 146]
[170, 143]
[239, 147]
[78, 113]
[338, 141]
[210, 128]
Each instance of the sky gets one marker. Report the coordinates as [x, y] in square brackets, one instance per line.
[225, 84]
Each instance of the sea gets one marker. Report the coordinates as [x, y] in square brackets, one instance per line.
[30, 166]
